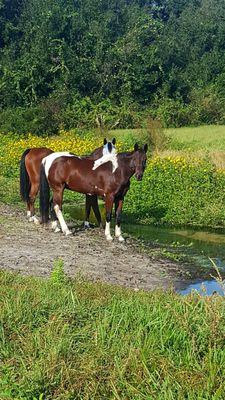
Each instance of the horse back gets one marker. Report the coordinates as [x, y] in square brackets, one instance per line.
[33, 161]
[77, 175]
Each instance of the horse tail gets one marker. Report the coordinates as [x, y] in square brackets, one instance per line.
[24, 178]
[44, 196]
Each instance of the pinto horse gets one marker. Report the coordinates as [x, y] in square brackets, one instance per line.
[30, 165]
[77, 174]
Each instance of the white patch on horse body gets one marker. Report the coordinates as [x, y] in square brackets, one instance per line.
[47, 161]
[107, 156]
[62, 222]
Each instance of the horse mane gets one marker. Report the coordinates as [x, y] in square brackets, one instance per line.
[125, 154]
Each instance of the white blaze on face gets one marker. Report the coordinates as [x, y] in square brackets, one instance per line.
[106, 157]
[106, 149]
[47, 161]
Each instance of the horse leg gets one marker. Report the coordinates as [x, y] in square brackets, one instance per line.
[32, 197]
[54, 218]
[28, 211]
[87, 211]
[57, 204]
[95, 207]
[108, 207]
[92, 201]
[118, 211]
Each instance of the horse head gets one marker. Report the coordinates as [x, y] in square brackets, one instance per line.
[109, 154]
[139, 160]
[109, 147]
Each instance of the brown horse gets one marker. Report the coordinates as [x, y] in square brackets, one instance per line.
[30, 165]
[77, 174]
[92, 202]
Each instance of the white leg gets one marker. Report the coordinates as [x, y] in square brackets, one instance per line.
[55, 227]
[107, 231]
[118, 234]
[62, 222]
[36, 220]
[28, 214]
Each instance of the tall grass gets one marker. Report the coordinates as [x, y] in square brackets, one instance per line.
[205, 137]
[66, 340]
[208, 138]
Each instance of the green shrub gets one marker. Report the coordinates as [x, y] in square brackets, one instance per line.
[176, 190]
[53, 114]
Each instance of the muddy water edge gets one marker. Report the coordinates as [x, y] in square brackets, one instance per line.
[202, 251]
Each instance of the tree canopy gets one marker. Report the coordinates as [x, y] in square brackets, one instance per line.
[164, 58]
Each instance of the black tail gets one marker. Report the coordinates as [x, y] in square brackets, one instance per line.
[44, 196]
[24, 178]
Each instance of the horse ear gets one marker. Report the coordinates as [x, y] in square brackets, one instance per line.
[136, 147]
[105, 141]
[114, 141]
[145, 148]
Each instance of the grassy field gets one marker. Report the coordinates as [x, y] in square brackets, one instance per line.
[67, 340]
[78, 340]
[206, 138]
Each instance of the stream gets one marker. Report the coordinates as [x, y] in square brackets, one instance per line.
[204, 249]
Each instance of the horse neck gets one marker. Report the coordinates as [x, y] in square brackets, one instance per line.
[97, 153]
[125, 163]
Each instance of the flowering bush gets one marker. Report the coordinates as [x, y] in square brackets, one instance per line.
[12, 148]
[175, 189]
[179, 190]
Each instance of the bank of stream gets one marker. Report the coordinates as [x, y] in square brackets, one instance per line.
[203, 251]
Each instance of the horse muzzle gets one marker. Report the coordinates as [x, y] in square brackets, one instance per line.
[139, 177]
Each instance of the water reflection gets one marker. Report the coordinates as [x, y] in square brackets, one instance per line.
[205, 288]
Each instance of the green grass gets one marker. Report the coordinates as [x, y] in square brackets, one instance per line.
[211, 137]
[207, 137]
[66, 340]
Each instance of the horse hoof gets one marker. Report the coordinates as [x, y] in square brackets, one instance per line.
[67, 233]
[121, 238]
[36, 221]
[109, 238]
[56, 230]
[86, 225]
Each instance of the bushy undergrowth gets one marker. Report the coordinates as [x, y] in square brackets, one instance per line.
[179, 190]
[13, 146]
[53, 114]
[79, 340]
[176, 189]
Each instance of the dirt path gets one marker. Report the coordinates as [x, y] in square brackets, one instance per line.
[32, 250]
